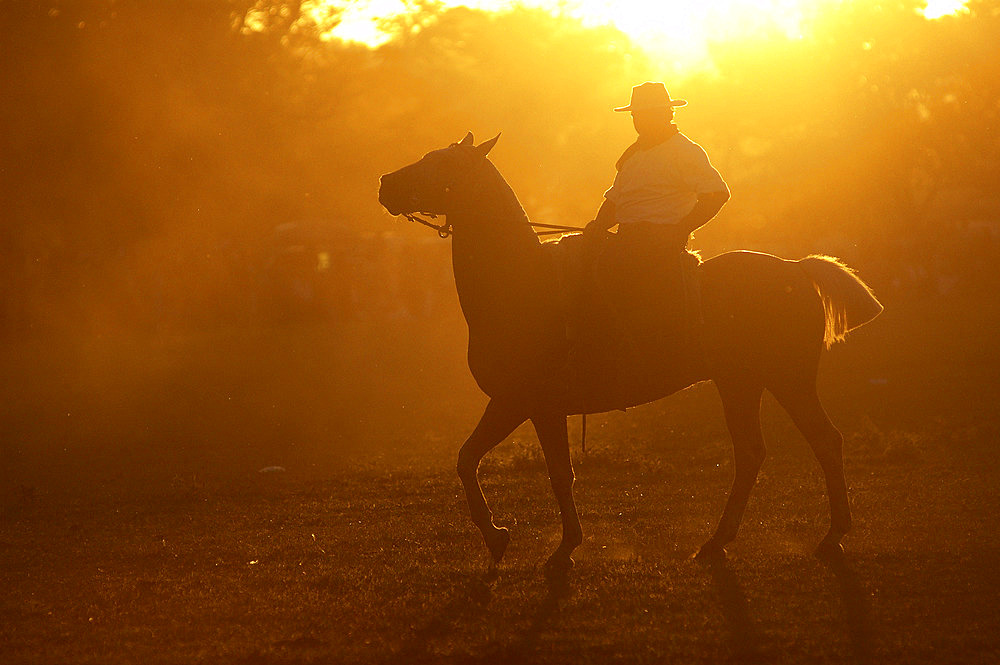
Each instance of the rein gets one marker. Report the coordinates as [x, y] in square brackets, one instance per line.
[555, 228]
[445, 230]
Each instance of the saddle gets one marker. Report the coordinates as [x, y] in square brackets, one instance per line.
[632, 316]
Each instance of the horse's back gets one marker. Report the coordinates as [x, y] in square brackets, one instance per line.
[761, 313]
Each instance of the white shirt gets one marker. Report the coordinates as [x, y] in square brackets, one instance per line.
[661, 184]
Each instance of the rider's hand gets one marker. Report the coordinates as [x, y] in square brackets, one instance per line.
[594, 228]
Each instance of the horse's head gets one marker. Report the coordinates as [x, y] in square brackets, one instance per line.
[437, 182]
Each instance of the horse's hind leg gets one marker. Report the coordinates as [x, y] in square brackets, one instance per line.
[552, 434]
[741, 402]
[803, 405]
[495, 425]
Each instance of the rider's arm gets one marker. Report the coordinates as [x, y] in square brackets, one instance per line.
[701, 178]
[707, 207]
[606, 214]
[605, 217]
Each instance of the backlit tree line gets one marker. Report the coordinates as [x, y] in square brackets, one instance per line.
[151, 150]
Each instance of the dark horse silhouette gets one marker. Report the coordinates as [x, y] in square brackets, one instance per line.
[766, 321]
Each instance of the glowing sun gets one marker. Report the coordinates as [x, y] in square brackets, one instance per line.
[678, 30]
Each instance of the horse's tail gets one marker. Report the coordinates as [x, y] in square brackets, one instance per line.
[847, 301]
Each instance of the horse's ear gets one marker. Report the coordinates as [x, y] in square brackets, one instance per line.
[468, 140]
[484, 148]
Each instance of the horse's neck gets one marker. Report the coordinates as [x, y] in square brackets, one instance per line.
[496, 256]
[493, 212]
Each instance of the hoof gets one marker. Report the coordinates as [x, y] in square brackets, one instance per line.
[497, 543]
[559, 561]
[557, 567]
[710, 552]
[829, 549]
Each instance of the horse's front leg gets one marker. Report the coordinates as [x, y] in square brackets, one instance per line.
[495, 425]
[552, 434]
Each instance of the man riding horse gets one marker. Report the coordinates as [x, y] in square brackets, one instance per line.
[763, 321]
[665, 188]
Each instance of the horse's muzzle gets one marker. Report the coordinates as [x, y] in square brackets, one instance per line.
[389, 199]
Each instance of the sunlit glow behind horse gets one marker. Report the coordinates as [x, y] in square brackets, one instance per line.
[765, 322]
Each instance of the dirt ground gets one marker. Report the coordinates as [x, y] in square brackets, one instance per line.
[137, 526]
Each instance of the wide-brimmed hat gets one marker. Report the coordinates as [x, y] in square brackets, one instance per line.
[651, 95]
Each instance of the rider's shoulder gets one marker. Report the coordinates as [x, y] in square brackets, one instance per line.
[629, 151]
[684, 145]
[683, 142]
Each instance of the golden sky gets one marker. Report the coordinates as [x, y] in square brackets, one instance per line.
[680, 31]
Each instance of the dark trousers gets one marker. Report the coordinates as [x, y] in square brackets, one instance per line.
[646, 284]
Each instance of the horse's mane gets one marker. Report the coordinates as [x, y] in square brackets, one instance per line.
[502, 203]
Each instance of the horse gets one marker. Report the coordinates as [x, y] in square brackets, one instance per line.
[765, 321]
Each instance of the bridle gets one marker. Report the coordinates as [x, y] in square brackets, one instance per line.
[443, 230]
[446, 230]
